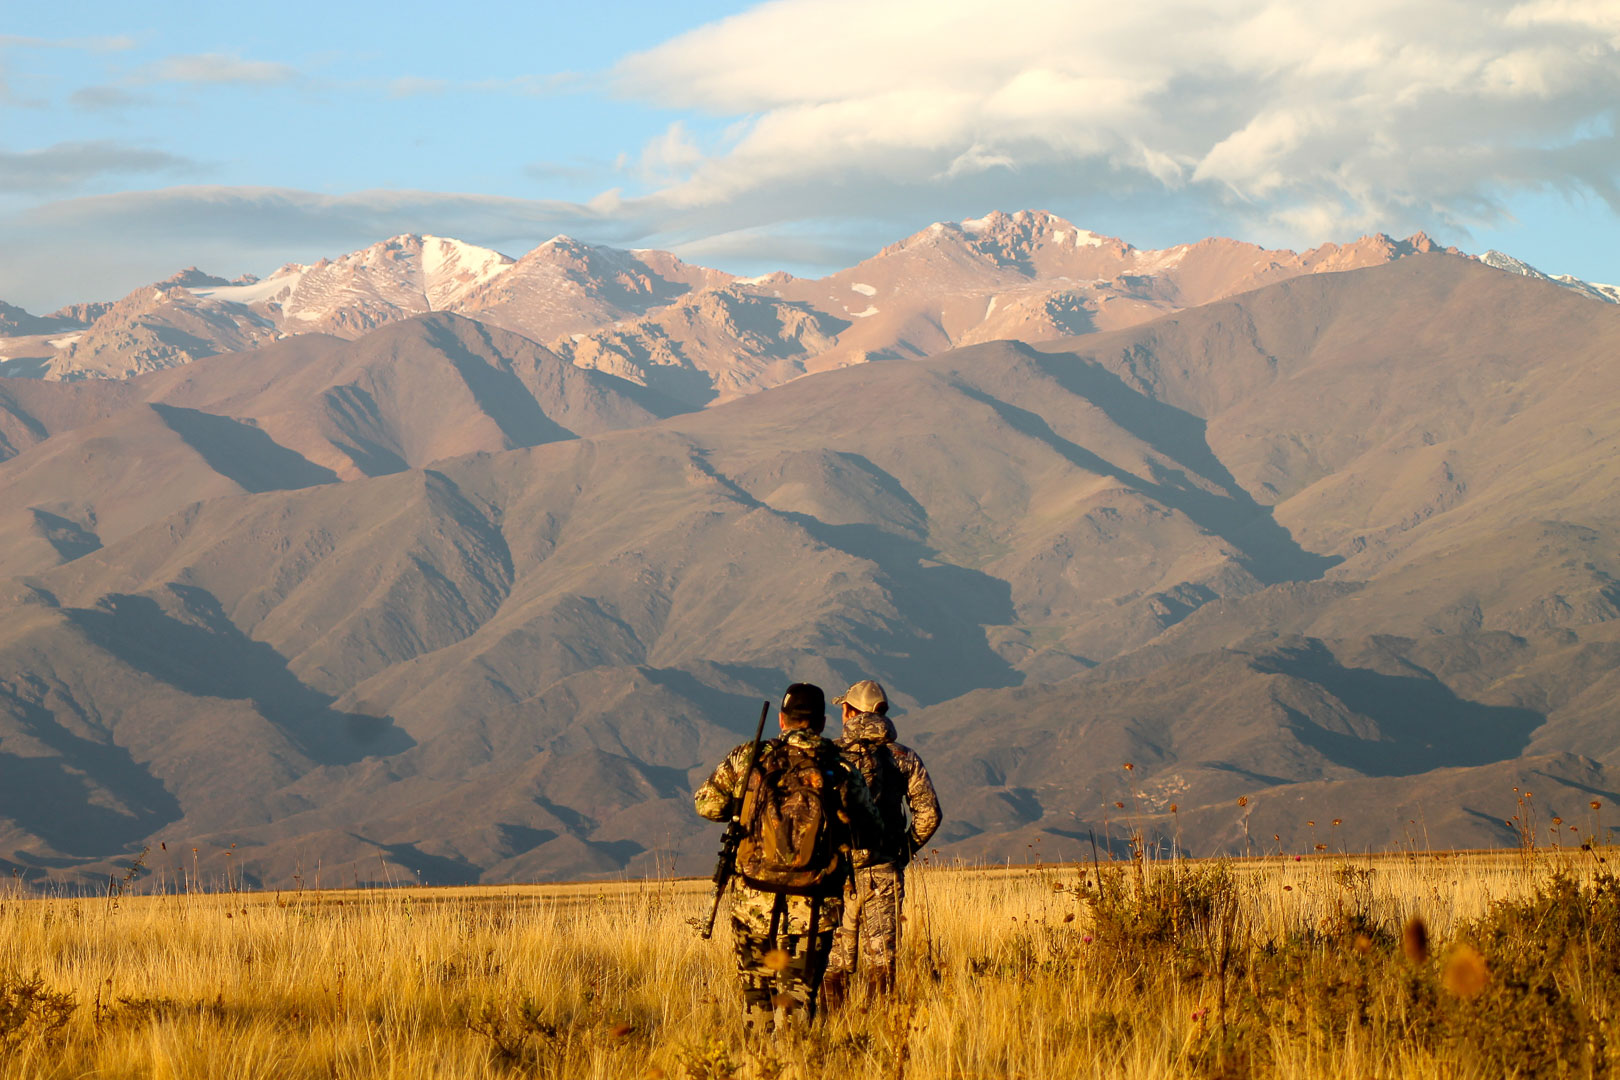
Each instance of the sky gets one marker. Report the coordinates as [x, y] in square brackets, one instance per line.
[797, 134]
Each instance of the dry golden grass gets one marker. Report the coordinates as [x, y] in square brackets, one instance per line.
[1000, 978]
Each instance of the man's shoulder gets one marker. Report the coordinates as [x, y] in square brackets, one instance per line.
[904, 754]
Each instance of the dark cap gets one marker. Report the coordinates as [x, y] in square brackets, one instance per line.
[805, 701]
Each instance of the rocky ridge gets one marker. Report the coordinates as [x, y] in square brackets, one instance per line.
[691, 331]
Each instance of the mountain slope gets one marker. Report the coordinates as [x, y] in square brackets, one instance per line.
[86, 463]
[1217, 546]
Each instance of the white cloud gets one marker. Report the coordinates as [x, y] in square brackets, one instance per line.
[670, 154]
[112, 43]
[1287, 115]
[219, 69]
[71, 164]
[413, 86]
[100, 247]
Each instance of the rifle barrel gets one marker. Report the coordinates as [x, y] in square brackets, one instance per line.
[734, 828]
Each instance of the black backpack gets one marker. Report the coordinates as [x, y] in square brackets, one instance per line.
[887, 784]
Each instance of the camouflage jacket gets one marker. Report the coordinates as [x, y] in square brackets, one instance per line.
[717, 797]
[899, 784]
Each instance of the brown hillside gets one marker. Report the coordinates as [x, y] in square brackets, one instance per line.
[1216, 546]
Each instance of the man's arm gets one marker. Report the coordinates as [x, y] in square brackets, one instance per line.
[925, 815]
[717, 795]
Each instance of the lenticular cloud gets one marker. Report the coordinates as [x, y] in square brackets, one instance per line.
[1299, 118]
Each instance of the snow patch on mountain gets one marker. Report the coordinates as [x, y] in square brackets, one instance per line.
[287, 277]
[451, 268]
[1608, 294]
[863, 289]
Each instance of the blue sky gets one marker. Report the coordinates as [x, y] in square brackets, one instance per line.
[798, 134]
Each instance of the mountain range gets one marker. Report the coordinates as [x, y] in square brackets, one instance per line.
[438, 589]
[695, 334]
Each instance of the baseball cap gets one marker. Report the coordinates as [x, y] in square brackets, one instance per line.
[866, 695]
[806, 700]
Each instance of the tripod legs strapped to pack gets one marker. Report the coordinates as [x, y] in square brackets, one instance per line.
[783, 968]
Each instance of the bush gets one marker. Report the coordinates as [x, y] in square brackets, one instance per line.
[28, 1010]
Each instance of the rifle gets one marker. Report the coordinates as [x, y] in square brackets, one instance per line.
[735, 830]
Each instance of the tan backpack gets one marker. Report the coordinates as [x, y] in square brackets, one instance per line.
[795, 839]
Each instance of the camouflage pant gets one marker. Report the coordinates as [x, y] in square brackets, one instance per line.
[869, 934]
[781, 972]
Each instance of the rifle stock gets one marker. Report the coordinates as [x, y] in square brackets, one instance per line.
[727, 862]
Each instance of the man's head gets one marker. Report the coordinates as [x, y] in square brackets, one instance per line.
[865, 696]
[803, 706]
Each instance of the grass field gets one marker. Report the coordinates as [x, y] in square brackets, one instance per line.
[1278, 967]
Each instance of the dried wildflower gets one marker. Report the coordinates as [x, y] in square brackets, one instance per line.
[1243, 800]
[1415, 940]
[1596, 804]
[1321, 847]
[1312, 824]
[1558, 821]
[1070, 918]
[777, 959]
[1119, 805]
[1086, 939]
[1129, 766]
[1288, 888]
[1173, 808]
[1338, 821]
[1466, 974]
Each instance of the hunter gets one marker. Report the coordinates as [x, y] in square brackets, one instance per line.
[803, 809]
[868, 937]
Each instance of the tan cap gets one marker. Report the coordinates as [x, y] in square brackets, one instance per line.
[866, 695]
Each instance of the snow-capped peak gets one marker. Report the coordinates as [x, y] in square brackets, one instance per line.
[451, 268]
[1498, 260]
[1608, 294]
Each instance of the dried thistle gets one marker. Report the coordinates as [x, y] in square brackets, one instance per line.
[1466, 974]
[1415, 940]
